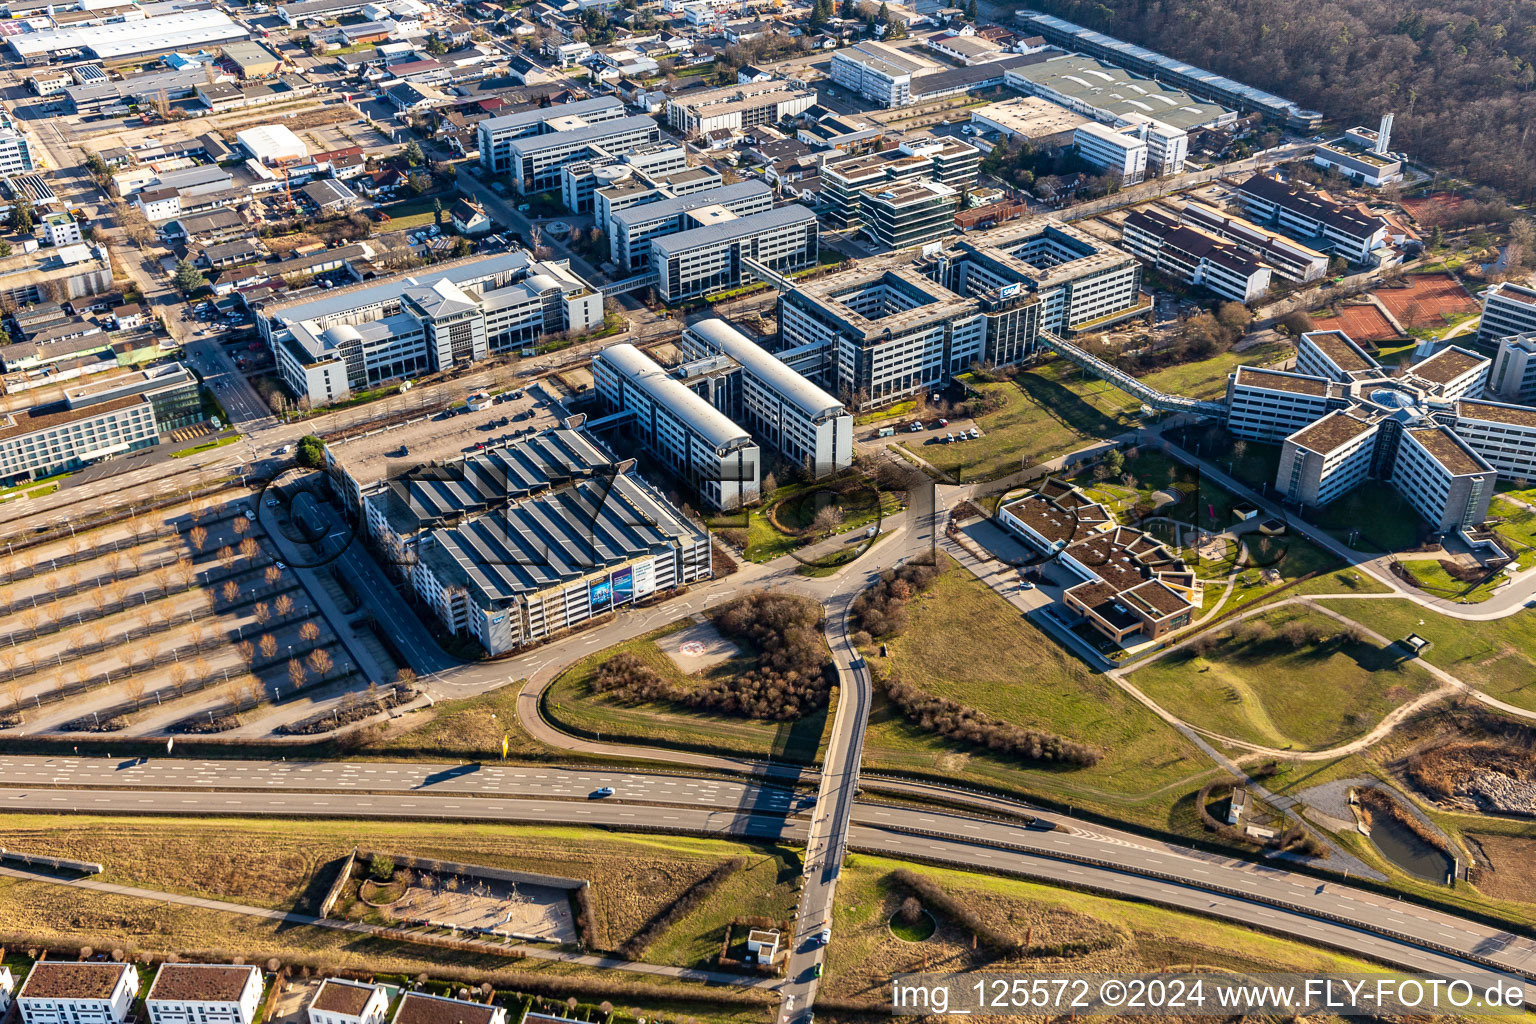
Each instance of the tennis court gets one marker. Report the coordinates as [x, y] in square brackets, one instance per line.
[1425, 300]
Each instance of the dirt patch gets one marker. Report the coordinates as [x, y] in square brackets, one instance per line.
[1496, 776]
[1506, 866]
[698, 648]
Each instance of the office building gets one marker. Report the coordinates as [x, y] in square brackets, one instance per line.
[1291, 260]
[714, 256]
[1132, 587]
[204, 994]
[879, 72]
[1176, 72]
[1326, 225]
[1120, 153]
[410, 324]
[534, 162]
[1508, 309]
[15, 152]
[1042, 123]
[496, 133]
[783, 409]
[1446, 482]
[109, 415]
[60, 274]
[632, 228]
[1109, 95]
[1270, 405]
[68, 992]
[910, 213]
[1503, 435]
[340, 1001]
[646, 167]
[188, 30]
[848, 183]
[1328, 458]
[1513, 377]
[1194, 257]
[736, 108]
[1333, 354]
[695, 441]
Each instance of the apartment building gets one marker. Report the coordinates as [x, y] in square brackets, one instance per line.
[878, 72]
[910, 213]
[694, 440]
[1513, 377]
[204, 994]
[631, 229]
[738, 107]
[713, 256]
[1334, 227]
[99, 419]
[1195, 257]
[419, 322]
[419, 1008]
[496, 134]
[783, 409]
[1119, 152]
[67, 992]
[340, 1001]
[1508, 309]
[1288, 259]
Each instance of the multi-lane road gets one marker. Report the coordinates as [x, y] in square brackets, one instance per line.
[1092, 857]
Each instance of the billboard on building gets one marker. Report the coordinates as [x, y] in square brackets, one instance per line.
[623, 586]
[1008, 291]
[600, 596]
[644, 578]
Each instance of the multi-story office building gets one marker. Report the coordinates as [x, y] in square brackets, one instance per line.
[879, 72]
[642, 189]
[1333, 354]
[415, 323]
[204, 994]
[1503, 434]
[738, 107]
[1270, 405]
[1359, 165]
[1290, 260]
[782, 408]
[1446, 482]
[650, 166]
[848, 183]
[632, 229]
[1120, 152]
[534, 162]
[694, 440]
[1110, 95]
[97, 420]
[1324, 460]
[340, 1001]
[1195, 257]
[68, 992]
[713, 257]
[1513, 377]
[15, 152]
[1508, 309]
[1335, 227]
[497, 133]
[910, 213]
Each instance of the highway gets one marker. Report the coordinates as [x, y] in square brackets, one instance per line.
[1100, 858]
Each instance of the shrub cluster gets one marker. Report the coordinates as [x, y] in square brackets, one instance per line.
[956, 721]
[680, 908]
[882, 609]
[934, 899]
[793, 675]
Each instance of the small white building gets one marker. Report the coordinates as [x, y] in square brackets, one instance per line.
[204, 994]
[61, 229]
[348, 1002]
[64, 992]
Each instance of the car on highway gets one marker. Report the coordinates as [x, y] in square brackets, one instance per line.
[825, 936]
[283, 450]
[602, 791]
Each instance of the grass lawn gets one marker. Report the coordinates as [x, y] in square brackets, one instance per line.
[1291, 556]
[902, 410]
[1431, 577]
[571, 704]
[1072, 931]
[798, 504]
[1519, 526]
[414, 213]
[1208, 377]
[1027, 678]
[217, 442]
[1384, 518]
[765, 887]
[471, 728]
[43, 491]
[1498, 656]
[17, 488]
[1047, 411]
[1274, 692]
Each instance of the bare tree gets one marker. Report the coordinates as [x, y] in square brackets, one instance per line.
[227, 557]
[320, 661]
[273, 575]
[134, 687]
[231, 591]
[261, 613]
[309, 632]
[249, 549]
[283, 606]
[199, 537]
[296, 673]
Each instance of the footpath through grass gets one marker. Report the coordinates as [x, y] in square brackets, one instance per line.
[1268, 682]
[571, 704]
[965, 642]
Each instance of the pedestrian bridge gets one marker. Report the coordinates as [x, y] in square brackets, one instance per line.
[1132, 386]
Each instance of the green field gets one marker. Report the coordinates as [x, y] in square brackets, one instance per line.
[1208, 378]
[1519, 526]
[1024, 677]
[571, 704]
[1270, 690]
[217, 442]
[1384, 519]
[1498, 657]
[1432, 578]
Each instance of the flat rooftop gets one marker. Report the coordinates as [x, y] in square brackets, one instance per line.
[1342, 350]
[1457, 459]
[1106, 87]
[1030, 116]
[59, 979]
[1497, 412]
[213, 983]
[1278, 380]
[1331, 432]
[1447, 365]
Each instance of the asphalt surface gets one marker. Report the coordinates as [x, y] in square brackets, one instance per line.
[1090, 856]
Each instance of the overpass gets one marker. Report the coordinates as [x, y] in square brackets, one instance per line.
[1137, 389]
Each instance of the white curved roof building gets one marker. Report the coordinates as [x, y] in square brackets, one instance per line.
[696, 441]
[183, 30]
[783, 409]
